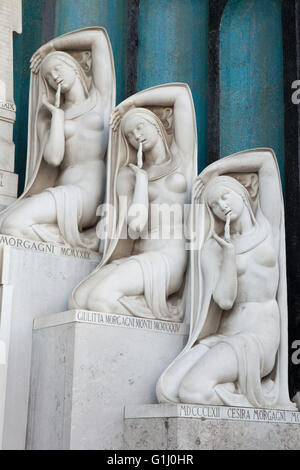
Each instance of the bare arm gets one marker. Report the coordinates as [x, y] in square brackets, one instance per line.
[138, 210]
[54, 148]
[91, 39]
[175, 95]
[133, 185]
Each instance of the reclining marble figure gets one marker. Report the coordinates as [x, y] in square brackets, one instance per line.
[72, 93]
[237, 351]
[151, 164]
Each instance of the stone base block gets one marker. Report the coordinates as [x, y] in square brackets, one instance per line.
[8, 188]
[85, 367]
[8, 184]
[6, 201]
[39, 278]
[7, 147]
[191, 427]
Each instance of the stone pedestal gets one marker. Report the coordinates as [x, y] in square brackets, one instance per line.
[8, 188]
[35, 279]
[192, 427]
[5, 302]
[10, 21]
[85, 367]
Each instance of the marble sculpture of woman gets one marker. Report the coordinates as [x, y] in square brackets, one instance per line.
[152, 161]
[72, 93]
[236, 353]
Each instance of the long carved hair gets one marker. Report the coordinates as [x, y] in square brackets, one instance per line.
[233, 185]
[70, 62]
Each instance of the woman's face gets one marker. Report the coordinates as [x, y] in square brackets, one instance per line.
[137, 130]
[224, 201]
[56, 71]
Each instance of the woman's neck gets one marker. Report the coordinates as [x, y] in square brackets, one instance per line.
[243, 224]
[75, 95]
[156, 155]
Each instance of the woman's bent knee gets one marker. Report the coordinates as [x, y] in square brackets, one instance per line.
[167, 389]
[202, 395]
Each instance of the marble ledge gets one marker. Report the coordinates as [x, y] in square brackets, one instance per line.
[49, 248]
[207, 412]
[8, 184]
[6, 201]
[112, 320]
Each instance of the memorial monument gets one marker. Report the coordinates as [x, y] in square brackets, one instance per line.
[152, 162]
[237, 353]
[129, 311]
[72, 93]
[228, 388]
[176, 338]
[48, 236]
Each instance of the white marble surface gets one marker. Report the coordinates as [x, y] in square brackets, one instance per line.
[72, 93]
[178, 433]
[85, 370]
[8, 184]
[8, 188]
[6, 201]
[237, 353]
[10, 22]
[198, 427]
[182, 410]
[108, 319]
[6, 293]
[41, 277]
[153, 160]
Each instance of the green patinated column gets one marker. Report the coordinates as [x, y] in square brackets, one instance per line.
[173, 47]
[24, 46]
[251, 78]
[111, 14]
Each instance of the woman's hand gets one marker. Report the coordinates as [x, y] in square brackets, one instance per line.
[53, 108]
[119, 112]
[226, 241]
[138, 171]
[228, 246]
[38, 56]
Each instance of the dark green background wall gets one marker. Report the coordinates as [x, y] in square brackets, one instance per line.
[173, 46]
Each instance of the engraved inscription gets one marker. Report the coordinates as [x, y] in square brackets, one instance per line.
[128, 322]
[47, 247]
[187, 411]
[76, 253]
[295, 417]
[26, 244]
[8, 106]
[239, 414]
